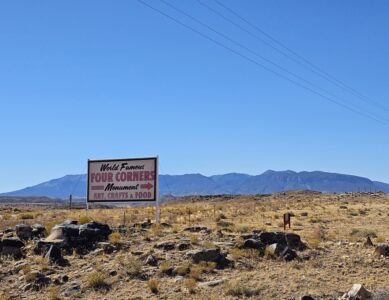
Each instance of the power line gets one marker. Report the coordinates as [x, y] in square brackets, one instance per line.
[306, 63]
[259, 55]
[259, 64]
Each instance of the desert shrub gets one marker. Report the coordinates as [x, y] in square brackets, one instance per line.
[156, 230]
[153, 285]
[190, 284]
[193, 239]
[220, 217]
[240, 289]
[380, 239]
[114, 238]
[26, 216]
[97, 280]
[196, 271]
[363, 233]
[165, 266]
[84, 219]
[224, 223]
[207, 266]
[54, 293]
[183, 269]
[316, 237]
[42, 262]
[246, 253]
[208, 245]
[132, 266]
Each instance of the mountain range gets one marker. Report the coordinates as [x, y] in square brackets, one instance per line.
[232, 183]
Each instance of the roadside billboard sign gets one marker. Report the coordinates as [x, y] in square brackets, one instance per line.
[122, 180]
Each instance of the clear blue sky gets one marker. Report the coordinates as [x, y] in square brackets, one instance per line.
[107, 79]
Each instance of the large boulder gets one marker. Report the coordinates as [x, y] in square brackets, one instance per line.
[12, 247]
[69, 235]
[281, 251]
[166, 245]
[291, 240]
[24, 231]
[54, 254]
[382, 250]
[209, 255]
[357, 292]
[294, 242]
[94, 232]
[38, 231]
[269, 238]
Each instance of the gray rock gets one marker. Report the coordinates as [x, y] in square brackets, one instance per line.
[269, 238]
[211, 283]
[382, 250]
[357, 292]
[197, 228]
[253, 244]
[281, 251]
[294, 242]
[54, 254]
[24, 232]
[38, 231]
[210, 255]
[306, 298]
[74, 287]
[151, 260]
[183, 246]
[167, 245]
[12, 247]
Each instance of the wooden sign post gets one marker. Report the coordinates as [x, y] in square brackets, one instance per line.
[287, 218]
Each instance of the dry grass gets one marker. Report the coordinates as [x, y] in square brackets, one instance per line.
[153, 285]
[335, 236]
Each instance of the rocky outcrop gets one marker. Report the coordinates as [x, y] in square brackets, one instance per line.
[12, 247]
[210, 255]
[69, 235]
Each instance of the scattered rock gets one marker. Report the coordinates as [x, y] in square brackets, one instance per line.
[151, 260]
[24, 232]
[306, 298]
[211, 283]
[167, 245]
[12, 247]
[183, 246]
[38, 231]
[382, 250]
[107, 248]
[253, 244]
[294, 242]
[83, 238]
[357, 292]
[197, 228]
[74, 287]
[210, 255]
[368, 242]
[54, 254]
[282, 251]
[37, 280]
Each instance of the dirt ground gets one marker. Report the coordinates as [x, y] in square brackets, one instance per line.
[334, 226]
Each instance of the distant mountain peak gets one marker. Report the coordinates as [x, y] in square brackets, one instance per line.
[232, 183]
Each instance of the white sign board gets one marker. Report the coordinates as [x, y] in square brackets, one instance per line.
[122, 180]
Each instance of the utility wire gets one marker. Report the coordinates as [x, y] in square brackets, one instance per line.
[260, 56]
[300, 59]
[260, 65]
